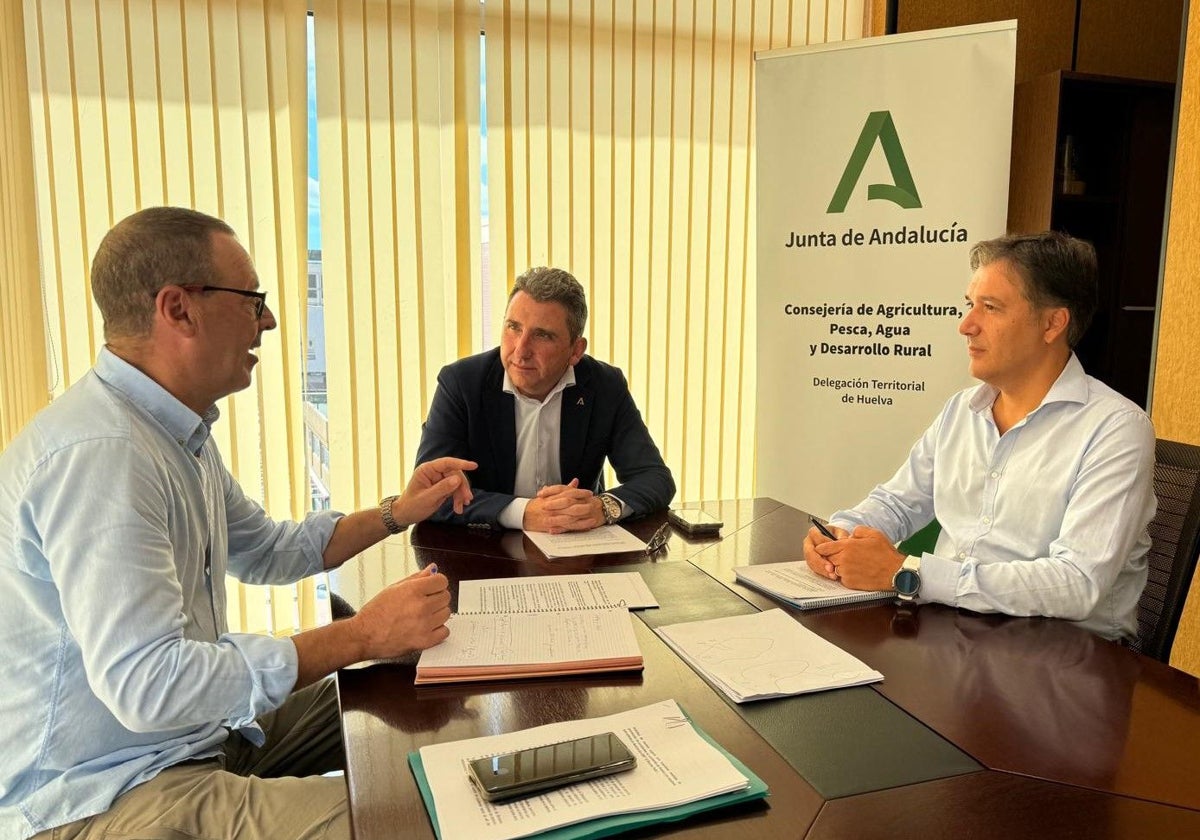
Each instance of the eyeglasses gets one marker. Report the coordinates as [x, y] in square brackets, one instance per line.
[659, 539]
[260, 298]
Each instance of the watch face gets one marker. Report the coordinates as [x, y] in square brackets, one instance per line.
[907, 582]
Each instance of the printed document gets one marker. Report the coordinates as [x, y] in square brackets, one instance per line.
[545, 593]
[674, 765]
[766, 654]
[797, 584]
[607, 539]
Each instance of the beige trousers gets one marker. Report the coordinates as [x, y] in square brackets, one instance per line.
[251, 793]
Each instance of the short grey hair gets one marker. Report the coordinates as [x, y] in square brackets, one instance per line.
[545, 285]
[1057, 270]
[152, 248]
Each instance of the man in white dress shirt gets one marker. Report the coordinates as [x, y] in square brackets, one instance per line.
[1041, 477]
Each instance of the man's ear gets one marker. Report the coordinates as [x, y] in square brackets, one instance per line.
[173, 310]
[1057, 320]
[577, 350]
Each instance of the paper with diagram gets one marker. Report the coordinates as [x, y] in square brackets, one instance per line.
[766, 654]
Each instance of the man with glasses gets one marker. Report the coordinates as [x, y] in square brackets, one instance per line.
[129, 708]
[540, 418]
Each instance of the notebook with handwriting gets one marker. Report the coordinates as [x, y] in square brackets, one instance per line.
[801, 587]
[504, 646]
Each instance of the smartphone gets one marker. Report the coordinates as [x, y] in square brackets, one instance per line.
[526, 772]
[694, 522]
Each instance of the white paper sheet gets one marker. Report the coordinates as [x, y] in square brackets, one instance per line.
[766, 654]
[545, 593]
[607, 539]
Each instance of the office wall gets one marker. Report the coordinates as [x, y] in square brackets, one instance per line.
[1175, 406]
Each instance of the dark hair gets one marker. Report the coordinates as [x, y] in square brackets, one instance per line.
[1057, 270]
[150, 249]
[546, 284]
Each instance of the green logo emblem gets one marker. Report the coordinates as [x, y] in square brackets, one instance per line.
[879, 126]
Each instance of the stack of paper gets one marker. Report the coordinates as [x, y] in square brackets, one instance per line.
[679, 772]
[766, 654]
[514, 645]
[798, 585]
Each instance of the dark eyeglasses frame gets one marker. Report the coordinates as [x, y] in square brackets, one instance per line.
[260, 298]
[659, 539]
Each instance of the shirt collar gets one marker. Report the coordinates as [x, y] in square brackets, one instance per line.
[564, 382]
[1071, 386]
[179, 421]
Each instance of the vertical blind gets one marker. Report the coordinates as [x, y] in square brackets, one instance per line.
[619, 145]
[145, 102]
[22, 339]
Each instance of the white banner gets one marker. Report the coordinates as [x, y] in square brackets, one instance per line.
[880, 162]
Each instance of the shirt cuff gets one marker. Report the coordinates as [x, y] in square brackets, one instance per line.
[513, 516]
[316, 532]
[273, 666]
[939, 579]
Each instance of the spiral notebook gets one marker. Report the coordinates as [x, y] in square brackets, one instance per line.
[544, 593]
[800, 586]
[505, 646]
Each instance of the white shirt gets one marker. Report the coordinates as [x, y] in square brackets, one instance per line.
[539, 430]
[1047, 519]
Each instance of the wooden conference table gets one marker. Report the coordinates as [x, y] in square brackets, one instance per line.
[984, 726]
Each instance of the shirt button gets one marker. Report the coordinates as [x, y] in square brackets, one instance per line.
[987, 520]
[962, 555]
[995, 474]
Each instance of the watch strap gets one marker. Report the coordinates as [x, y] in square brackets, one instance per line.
[611, 507]
[385, 511]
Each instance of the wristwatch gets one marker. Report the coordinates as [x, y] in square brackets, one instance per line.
[612, 508]
[385, 510]
[907, 580]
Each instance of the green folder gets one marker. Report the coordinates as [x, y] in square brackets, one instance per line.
[608, 826]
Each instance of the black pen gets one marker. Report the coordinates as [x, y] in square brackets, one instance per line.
[821, 527]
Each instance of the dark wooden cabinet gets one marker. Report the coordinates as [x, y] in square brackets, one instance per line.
[1109, 37]
[1092, 119]
[1090, 157]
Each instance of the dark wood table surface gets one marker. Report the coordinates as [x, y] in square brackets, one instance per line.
[985, 726]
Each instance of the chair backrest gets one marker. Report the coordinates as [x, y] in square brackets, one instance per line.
[1175, 535]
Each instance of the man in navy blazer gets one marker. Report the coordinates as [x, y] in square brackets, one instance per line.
[540, 417]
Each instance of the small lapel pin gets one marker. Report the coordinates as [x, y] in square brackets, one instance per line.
[579, 401]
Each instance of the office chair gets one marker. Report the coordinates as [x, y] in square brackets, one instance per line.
[1175, 536]
[339, 607]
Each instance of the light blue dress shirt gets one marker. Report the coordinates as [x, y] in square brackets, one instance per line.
[118, 523]
[1047, 519]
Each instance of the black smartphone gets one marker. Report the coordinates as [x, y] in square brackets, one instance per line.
[694, 522]
[526, 772]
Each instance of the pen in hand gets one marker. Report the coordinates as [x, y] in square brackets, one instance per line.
[820, 526]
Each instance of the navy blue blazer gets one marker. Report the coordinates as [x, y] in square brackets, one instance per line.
[472, 417]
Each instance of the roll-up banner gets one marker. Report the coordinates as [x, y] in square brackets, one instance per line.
[880, 162]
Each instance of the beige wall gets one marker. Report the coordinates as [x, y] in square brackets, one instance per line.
[1176, 406]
